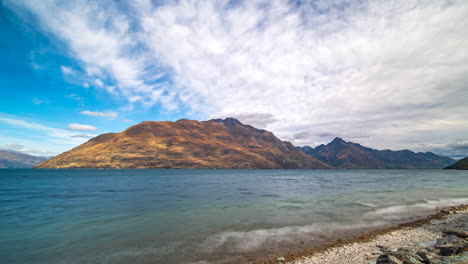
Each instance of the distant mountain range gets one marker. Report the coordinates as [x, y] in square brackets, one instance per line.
[13, 159]
[349, 155]
[218, 143]
[459, 165]
[222, 144]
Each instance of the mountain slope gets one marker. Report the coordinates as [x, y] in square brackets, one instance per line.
[185, 144]
[342, 154]
[13, 159]
[459, 165]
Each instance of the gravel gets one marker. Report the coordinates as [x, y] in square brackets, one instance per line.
[367, 252]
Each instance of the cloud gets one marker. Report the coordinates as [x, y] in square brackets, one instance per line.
[38, 101]
[455, 149]
[23, 149]
[99, 83]
[80, 127]
[460, 145]
[16, 147]
[75, 97]
[59, 139]
[259, 120]
[302, 135]
[111, 115]
[355, 67]
[100, 36]
[66, 70]
[83, 136]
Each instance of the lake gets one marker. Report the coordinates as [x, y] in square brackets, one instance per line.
[203, 216]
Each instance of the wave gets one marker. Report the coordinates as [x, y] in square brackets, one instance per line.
[252, 240]
[427, 205]
[367, 204]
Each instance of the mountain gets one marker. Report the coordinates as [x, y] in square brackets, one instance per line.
[459, 165]
[13, 159]
[349, 155]
[186, 144]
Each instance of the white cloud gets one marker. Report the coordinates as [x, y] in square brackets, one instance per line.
[23, 149]
[81, 127]
[101, 38]
[350, 70]
[111, 115]
[258, 120]
[66, 70]
[83, 136]
[38, 101]
[388, 73]
[99, 83]
[45, 138]
[74, 97]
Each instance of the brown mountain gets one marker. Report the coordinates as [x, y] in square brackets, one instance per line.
[349, 155]
[185, 144]
[14, 159]
[459, 165]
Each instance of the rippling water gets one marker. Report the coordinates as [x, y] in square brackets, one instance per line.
[188, 216]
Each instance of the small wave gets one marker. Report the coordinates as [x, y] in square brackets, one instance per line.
[398, 209]
[248, 241]
[290, 207]
[448, 202]
[368, 204]
[293, 201]
[418, 207]
[270, 195]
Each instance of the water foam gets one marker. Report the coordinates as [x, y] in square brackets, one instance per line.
[428, 205]
[367, 204]
[249, 241]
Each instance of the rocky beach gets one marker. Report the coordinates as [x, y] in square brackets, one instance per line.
[436, 239]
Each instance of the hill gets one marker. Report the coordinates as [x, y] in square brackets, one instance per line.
[459, 165]
[186, 144]
[12, 159]
[349, 155]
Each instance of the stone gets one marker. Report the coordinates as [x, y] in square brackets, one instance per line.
[449, 250]
[281, 259]
[427, 256]
[388, 259]
[383, 248]
[463, 249]
[399, 257]
[449, 240]
[405, 250]
[458, 233]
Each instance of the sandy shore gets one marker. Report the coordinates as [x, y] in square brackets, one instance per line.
[366, 248]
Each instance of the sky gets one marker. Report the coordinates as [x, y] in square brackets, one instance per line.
[387, 74]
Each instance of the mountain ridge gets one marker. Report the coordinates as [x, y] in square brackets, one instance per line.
[349, 155]
[10, 159]
[459, 165]
[216, 144]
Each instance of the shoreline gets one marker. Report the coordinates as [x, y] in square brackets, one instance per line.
[363, 242]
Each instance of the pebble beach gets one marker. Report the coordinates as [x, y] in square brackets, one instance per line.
[405, 243]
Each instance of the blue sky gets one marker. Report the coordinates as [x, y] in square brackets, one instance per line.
[387, 74]
[42, 85]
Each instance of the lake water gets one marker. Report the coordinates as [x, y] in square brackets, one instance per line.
[199, 216]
